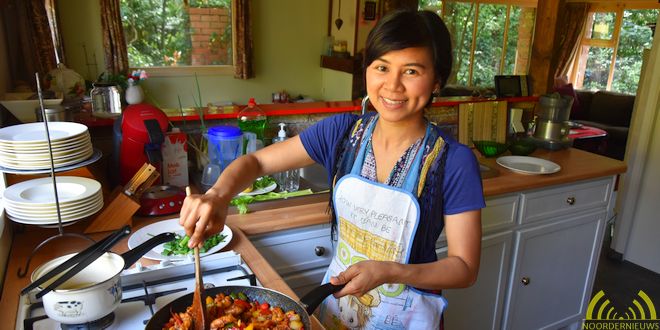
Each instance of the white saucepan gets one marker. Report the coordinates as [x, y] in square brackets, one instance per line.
[95, 291]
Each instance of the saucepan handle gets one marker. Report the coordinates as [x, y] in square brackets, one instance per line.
[132, 256]
[313, 299]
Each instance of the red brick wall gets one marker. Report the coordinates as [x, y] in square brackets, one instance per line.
[204, 23]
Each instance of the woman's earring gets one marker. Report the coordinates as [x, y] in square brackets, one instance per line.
[436, 92]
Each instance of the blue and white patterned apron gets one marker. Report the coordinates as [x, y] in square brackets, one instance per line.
[378, 222]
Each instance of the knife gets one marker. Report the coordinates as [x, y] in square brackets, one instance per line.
[140, 178]
[135, 176]
[146, 184]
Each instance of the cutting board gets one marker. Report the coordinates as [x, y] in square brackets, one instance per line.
[482, 121]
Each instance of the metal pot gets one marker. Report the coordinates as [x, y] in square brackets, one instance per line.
[106, 100]
[96, 290]
[304, 308]
[53, 113]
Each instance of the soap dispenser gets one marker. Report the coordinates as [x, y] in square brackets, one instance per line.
[287, 180]
[281, 135]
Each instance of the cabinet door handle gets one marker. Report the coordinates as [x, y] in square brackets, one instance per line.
[525, 280]
[570, 200]
[319, 251]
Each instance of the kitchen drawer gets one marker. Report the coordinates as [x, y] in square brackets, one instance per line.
[576, 197]
[296, 250]
[499, 213]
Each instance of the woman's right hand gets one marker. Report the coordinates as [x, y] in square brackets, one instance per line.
[203, 215]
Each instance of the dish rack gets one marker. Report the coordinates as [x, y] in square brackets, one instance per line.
[22, 271]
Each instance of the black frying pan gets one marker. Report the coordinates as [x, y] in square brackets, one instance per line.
[304, 308]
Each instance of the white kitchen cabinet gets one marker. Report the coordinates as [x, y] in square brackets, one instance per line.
[299, 255]
[480, 306]
[550, 238]
[554, 266]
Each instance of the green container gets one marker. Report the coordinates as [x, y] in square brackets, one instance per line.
[490, 148]
[522, 147]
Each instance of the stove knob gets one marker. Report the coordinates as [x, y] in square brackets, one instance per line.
[319, 251]
[172, 204]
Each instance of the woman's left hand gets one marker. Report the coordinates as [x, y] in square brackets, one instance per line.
[362, 277]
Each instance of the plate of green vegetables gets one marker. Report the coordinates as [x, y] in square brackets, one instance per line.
[177, 249]
[262, 185]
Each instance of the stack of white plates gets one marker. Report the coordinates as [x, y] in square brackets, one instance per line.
[25, 146]
[33, 202]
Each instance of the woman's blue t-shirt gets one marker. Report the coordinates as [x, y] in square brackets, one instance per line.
[462, 188]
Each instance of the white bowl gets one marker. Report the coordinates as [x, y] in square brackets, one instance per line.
[24, 109]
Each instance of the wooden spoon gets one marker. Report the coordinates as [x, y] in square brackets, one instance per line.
[198, 310]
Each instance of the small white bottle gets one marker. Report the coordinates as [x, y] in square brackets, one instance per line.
[287, 180]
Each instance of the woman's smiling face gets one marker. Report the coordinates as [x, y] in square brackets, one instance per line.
[400, 83]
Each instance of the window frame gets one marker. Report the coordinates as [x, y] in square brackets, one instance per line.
[508, 3]
[199, 70]
[582, 55]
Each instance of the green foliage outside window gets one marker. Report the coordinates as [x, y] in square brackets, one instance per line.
[635, 36]
[460, 17]
[159, 33]
[210, 3]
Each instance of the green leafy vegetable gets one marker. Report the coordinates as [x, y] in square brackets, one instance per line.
[241, 202]
[263, 182]
[179, 246]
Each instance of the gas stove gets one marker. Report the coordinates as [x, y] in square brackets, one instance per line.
[146, 290]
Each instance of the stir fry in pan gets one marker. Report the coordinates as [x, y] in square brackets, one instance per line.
[236, 311]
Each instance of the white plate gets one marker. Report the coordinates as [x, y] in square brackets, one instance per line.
[43, 144]
[96, 155]
[528, 165]
[65, 209]
[40, 191]
[52, 208]
[42, 165]
[45, 156]
[36, 132]
[57, 146]
[87, 210]
[172, 225]
[52, 221]
[260, 191]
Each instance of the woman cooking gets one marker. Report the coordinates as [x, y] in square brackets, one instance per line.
[398, 181]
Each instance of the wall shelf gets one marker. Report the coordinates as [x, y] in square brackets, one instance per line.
[344, 64]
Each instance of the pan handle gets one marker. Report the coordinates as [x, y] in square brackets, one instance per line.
[314, 298]
[132, 256]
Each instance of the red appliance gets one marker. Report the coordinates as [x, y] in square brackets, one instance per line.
[143, 128]
[161, 200]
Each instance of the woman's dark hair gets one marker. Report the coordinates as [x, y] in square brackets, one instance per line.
[411, 28]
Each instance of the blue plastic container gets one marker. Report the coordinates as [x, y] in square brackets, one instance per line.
[225, 145]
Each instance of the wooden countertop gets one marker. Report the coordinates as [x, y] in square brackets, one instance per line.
[576, 165]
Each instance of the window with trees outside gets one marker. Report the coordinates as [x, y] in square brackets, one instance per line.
[490, 37]
[176, 36]
[611, 50]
